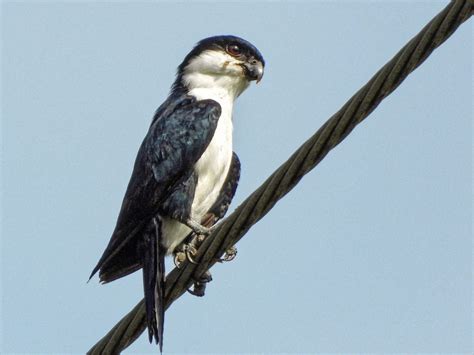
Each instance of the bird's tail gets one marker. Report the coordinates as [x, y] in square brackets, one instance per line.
[154, 282]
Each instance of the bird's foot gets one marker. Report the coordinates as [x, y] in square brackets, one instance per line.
[229, 255]
[199, 286]
[187, 253]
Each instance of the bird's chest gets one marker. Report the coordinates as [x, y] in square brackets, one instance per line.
[210, 170]
[213, 166]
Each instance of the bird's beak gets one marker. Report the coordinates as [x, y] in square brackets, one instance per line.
[254, 70]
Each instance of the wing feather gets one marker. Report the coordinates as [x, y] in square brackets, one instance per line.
[167, 155]
[129, 260]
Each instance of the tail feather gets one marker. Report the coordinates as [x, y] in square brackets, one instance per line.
[154, 282]
[161, 292]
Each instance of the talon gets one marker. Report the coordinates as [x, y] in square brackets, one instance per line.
[229, 255]
[179, 257]
[190, 251]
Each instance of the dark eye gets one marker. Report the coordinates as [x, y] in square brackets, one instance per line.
[234, 49]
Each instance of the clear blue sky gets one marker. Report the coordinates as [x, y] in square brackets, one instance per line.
[371, 252]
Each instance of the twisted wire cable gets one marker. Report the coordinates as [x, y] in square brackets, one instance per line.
[260, 202]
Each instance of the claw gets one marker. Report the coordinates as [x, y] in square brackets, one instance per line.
[187, 253]
[190, 251]
[179, 257]
[229, 255]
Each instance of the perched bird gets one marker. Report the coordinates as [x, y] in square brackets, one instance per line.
[185, 173]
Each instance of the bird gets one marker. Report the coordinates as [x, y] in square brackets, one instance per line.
[185, 173]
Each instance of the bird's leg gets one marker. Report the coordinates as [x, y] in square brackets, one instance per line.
[229, 255]
[197, 227]
[189, 250]
[199, 286]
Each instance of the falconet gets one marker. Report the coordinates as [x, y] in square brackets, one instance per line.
[185, 172]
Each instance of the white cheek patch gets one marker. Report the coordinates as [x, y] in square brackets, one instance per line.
[217, 73]
[214, 62]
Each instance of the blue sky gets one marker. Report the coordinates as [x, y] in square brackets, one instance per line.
[371, 252]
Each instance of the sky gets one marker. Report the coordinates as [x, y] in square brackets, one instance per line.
[371, 252]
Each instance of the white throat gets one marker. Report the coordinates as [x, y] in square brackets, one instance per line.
[214, 87]
[215, 75]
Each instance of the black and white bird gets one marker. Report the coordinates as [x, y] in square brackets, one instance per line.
[185, 173]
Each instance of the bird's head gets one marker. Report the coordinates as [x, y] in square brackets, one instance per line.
[221, 62]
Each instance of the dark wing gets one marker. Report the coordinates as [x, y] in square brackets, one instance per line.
[167, 155]
[129, 258]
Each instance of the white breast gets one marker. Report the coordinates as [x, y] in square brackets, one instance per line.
[211, 168]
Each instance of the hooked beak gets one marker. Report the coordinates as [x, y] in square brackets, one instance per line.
[253, 70]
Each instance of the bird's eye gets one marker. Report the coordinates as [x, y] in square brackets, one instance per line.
[234, 49]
